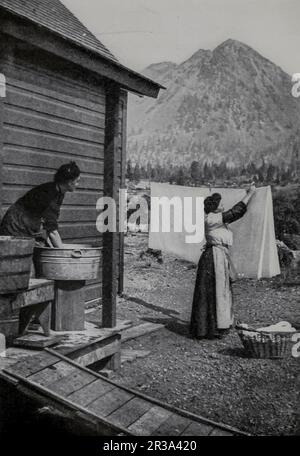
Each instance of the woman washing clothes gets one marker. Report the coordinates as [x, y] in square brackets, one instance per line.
[40, 208]
[212, 314]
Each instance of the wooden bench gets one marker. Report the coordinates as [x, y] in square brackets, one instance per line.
[35, 302]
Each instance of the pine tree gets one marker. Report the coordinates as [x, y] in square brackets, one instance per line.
[137, 173]
[129, 172]
[195, 172]
[149, 170]
[180, 180]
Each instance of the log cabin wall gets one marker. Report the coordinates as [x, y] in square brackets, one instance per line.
[54, 113]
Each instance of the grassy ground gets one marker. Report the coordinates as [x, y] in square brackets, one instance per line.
[211, 378]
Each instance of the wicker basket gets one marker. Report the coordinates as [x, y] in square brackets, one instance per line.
[260, 344]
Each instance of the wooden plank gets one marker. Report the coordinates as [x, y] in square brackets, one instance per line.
[40, 122]
[13, 174]
[197, 429]
[45, 141]
[97, 349]
[91, 392]
[123, 130]
[110, 402]
[98, 354]
[52, 374]
[71, 383]
[12, 192]
[34, 296]
[78, 215]
[33, 364]
[13, 265]
[1, 152]
[94, 291]
[130, 412]
[193, 417]
[47, 397]
[68, 306]
[22, 97]
[39, 158]
[36, 340]
[110, 239]
[52, 85]
[39, 283]
[220, 433]
[72, 230]
[173, 426]
[150, 421]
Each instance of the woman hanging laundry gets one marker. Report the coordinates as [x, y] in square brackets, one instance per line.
[39, 208]
[212, 314]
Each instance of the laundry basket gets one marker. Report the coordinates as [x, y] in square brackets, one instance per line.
[261, 344]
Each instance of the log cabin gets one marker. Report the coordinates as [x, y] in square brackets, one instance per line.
[64, 97]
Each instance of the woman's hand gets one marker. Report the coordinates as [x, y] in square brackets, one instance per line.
[249, 193]
[251, 189]
[54, 240]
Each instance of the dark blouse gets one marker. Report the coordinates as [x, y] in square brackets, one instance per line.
[235, 213]
[44, 201]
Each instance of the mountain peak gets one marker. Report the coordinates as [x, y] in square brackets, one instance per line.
[159, 70]
[227, 104]
[161, 66]
[231, 43]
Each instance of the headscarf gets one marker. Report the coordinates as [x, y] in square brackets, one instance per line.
[211, 203]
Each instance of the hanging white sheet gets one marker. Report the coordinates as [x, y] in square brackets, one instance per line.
[254, 251]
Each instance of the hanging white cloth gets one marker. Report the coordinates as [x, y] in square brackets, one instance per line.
[254, 252]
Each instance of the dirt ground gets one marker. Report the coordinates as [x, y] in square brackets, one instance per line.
[212, 378]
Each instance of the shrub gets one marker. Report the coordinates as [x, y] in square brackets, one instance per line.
[286, 204]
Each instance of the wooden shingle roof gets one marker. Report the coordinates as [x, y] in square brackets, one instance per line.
[55, 29]
[56, 17]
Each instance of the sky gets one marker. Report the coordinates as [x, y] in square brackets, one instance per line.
[142, 32]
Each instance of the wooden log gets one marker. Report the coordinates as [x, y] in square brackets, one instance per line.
[123, 130]
[68, 307]
[110, 239]
[1, 150]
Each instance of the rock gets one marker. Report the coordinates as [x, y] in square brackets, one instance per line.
[292, 241]
[285, 254]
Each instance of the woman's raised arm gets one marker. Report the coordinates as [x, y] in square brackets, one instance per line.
[239, 209]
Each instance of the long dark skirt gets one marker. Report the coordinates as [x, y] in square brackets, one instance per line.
[203, 319]
[20, 222]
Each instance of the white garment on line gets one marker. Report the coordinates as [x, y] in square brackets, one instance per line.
[254, 251]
